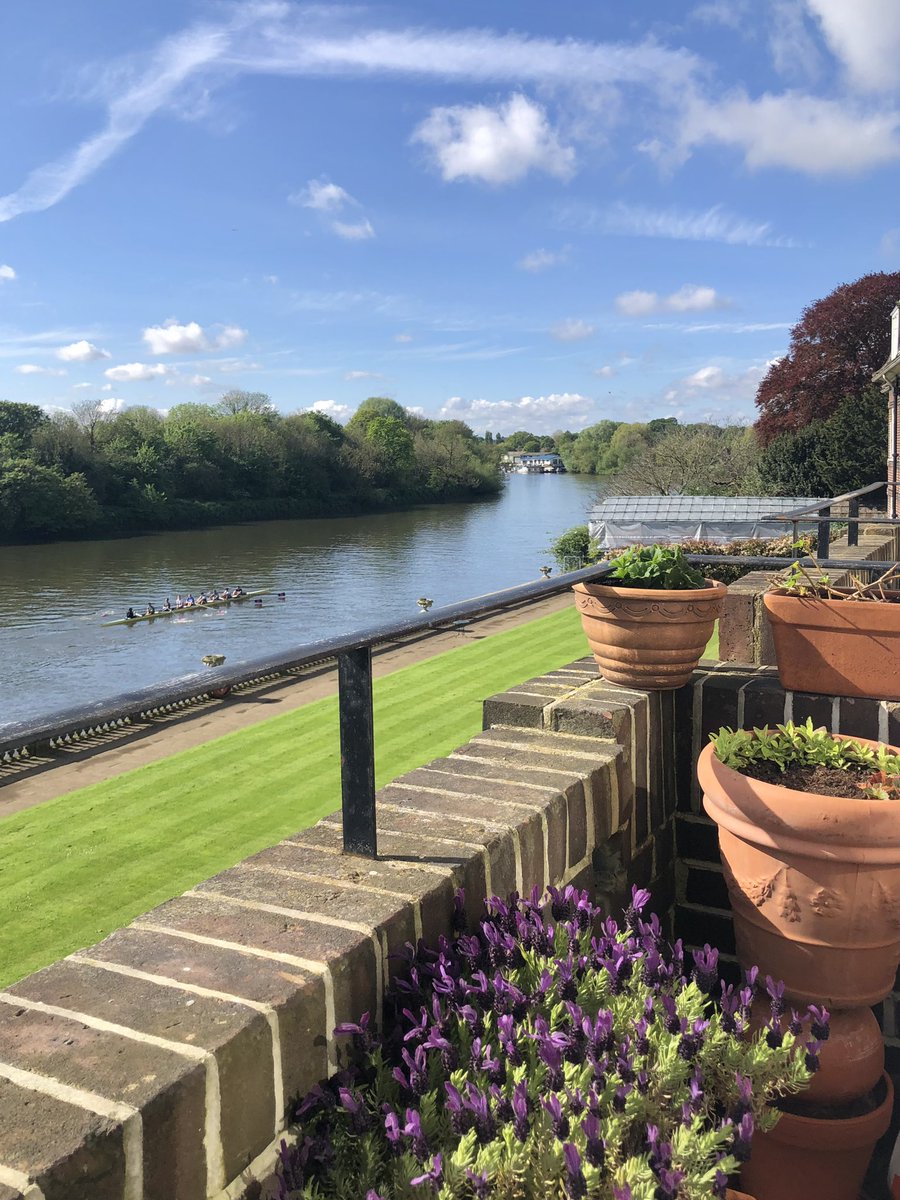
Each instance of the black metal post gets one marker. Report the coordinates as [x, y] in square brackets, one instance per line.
[823, 533]
[357, 751]
[853, 524]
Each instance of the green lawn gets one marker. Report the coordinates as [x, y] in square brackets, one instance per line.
[75, 868]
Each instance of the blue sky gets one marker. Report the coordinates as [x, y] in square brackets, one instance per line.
[520, 214]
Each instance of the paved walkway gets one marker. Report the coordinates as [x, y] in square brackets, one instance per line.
[107, 755]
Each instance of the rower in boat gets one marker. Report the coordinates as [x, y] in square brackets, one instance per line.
[167, 607]
[150, 609]
[131, 615]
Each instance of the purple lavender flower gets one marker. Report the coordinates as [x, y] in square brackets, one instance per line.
[674, 1024]
[460, 1116]
[819, 1022]
[774, 1036]
[479, 1183]
[433, 1176]
[811, 1056]
[360, 1117]
[363, 1041]
[622, 1193]
[669, 1182]
[413, 1131]
[415, 1078]
[483, 1119]
[371, 1194]
[594, 1150]
[640, 898]
[576, 1187]
[558, 1118]
[520, 1111]
[393, 1132]
[742, 1138]
[706, 969]
[776, 996]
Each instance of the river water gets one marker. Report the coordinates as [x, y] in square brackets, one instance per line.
[338, 574]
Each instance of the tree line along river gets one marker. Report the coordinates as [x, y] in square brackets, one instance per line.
[338, 574]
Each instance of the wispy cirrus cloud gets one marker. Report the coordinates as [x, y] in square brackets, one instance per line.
[713, 224]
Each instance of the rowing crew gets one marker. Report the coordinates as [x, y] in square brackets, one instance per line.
[188, 602]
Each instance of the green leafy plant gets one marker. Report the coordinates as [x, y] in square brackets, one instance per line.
[805, 746]
[663, 567]
[553, 1057]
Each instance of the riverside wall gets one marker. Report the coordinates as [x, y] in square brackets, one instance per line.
[161, 1063]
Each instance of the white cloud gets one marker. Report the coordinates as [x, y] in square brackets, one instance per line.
[352, 375]
[689, 298]
[339, 412]
[199, 380]
[33, 369]
[865, 36]
[322, 195]
[272, 279]
[172, 338]
[804, 133]
[711, 225]
[791, 43]
[81, 352]
[542, 414]
[78, 387]
[542, 260]
[112, 404]
[572, 330]
[403, 337]
[231, 335]
[353, 231]
[135, 372]
[6, 272]
[497, 145]
[715, 392]
[605, 372]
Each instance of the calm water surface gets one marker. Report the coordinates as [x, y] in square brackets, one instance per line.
[338, 575]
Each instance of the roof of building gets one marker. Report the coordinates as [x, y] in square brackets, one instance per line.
[697, 508]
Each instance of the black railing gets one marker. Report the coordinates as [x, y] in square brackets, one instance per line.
[852, 518]
[353, 652]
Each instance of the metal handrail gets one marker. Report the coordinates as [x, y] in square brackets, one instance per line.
[826, 520]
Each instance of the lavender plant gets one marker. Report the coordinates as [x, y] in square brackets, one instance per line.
[551, 1059]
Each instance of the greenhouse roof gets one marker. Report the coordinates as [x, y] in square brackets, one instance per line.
[697, 508]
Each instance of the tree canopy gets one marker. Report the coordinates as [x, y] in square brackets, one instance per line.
[835, 347]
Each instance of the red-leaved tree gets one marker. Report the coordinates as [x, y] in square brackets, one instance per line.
[835, 347]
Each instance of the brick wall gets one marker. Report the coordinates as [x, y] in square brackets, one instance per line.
[160, 1063]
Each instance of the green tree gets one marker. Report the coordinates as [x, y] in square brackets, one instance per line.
[235, 402]
[37, 501]
[21, 421]
[376, 406]
[828, 458]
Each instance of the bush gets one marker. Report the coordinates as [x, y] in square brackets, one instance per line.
[551, 1058]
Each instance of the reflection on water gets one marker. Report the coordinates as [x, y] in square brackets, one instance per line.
[338, 574]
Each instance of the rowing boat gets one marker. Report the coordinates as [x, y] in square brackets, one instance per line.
[170, 612]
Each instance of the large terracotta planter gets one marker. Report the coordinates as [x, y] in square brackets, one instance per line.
[812, 1158]
[647, 638]
[836, 647]
[814, 883]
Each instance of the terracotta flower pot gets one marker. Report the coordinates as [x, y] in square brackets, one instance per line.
[816, 1158]
[814, 883]
[836, 647]
[648, 638]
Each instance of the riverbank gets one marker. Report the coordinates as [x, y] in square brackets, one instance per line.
[102, 758]
[139, 836]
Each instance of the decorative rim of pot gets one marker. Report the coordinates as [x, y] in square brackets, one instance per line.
[714, 591]
[836, 1134]
[809, 824]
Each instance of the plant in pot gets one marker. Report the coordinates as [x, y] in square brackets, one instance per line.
[809, 834]
[548, 1058]
[649, 621]
[836, 641]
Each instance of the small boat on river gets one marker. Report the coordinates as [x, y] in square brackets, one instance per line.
[189, 608]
